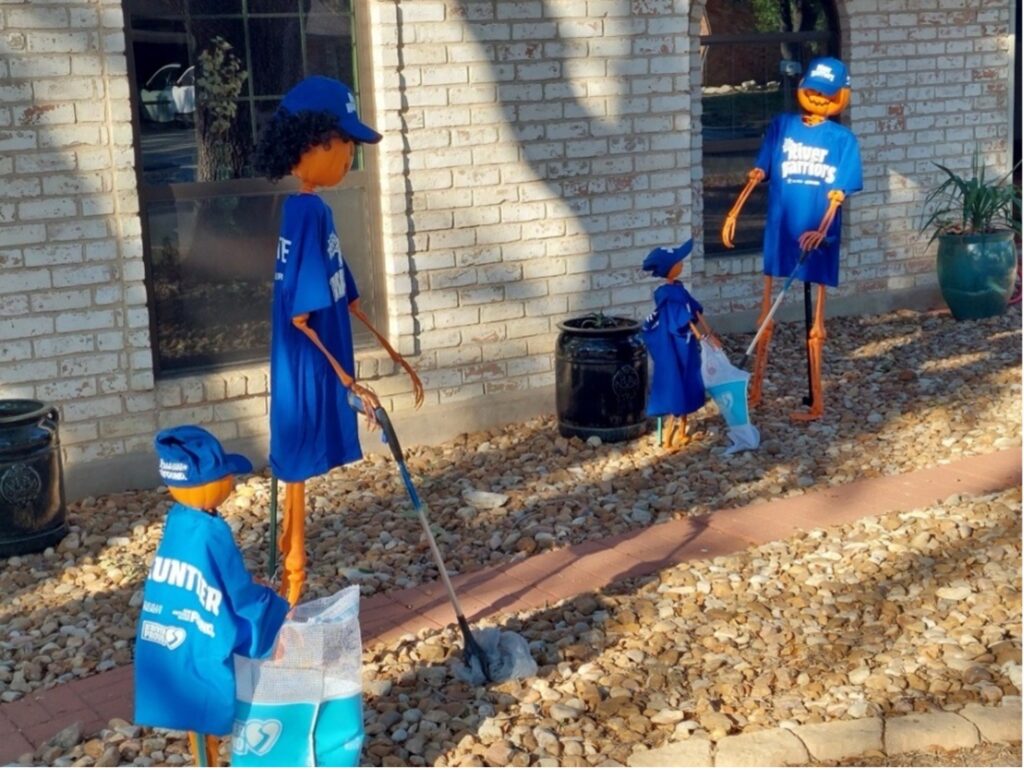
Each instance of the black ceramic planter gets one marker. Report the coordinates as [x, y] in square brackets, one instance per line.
[977, 273]
[32, 512]
[601, 378]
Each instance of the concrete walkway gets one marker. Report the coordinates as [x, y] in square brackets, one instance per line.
[556, 575]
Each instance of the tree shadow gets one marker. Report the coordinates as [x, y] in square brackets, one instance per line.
[582, 646]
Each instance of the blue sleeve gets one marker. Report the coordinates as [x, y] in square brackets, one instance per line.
[679, 319]
[256, 612]
[768, 147]
[307, 269]
[351, 290]
[850, 175]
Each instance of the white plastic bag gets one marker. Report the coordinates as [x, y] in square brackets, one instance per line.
[727, 385]
[302, 705]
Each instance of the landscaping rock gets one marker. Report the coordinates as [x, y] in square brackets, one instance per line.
[996, 725]
[764, 748]
[694, 752]
[919, 732]
[839, 740]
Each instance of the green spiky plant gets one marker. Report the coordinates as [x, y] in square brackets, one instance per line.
[972, 205]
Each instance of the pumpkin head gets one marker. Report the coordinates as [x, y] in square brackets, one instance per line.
[825, 89]
[816, 103]
[325, 166]
[205, 497]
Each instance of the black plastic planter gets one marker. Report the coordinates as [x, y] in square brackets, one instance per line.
[32, 511]
[601, 378]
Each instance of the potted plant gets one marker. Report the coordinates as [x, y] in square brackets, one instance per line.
[975, 220]
[601, 378]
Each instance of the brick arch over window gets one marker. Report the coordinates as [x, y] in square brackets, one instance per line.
[738, 72]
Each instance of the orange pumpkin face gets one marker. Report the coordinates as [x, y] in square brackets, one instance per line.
[206, 497]
[816, 103]
[322, 166]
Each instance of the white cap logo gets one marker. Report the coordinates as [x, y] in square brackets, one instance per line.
[350, 106]
[823, 71]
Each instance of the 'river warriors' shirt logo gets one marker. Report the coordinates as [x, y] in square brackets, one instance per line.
[803, 160]
[171, 637]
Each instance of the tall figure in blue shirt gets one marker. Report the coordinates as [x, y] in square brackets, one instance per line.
[313, 136]
[812, 164]
[200, 606]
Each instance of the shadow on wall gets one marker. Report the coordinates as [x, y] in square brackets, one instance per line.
[593, 121]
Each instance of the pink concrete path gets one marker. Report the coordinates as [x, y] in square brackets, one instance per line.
[552, 576]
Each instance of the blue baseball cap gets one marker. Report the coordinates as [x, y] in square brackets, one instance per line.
[661, 260]
[826, 76]
[319, 94]
[191, 456]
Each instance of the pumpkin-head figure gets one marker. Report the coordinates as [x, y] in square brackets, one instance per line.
[825, 90]
[313, 135]
[198, 472]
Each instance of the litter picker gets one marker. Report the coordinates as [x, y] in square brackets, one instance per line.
[471, 651]
[771, 312]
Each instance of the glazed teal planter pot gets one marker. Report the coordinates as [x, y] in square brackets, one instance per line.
[977, 273]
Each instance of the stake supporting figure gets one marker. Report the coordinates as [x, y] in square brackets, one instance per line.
[313, 136]
[812, 164]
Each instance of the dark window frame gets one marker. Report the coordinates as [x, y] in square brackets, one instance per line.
[831, 37]
[363, 176]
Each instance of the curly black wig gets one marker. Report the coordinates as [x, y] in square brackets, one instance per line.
[289, 135]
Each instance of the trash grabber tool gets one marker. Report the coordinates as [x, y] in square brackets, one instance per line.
[771, 312]
[471, 648]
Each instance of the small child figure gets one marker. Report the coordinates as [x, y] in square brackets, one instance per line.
[673, 340]
[200, 605]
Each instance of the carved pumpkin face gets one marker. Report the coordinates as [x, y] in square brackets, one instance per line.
[816, 103]
[206, 497]
[325, 166]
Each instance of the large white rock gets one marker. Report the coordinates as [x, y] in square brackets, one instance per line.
[765, 748]
[694, 752]
[919, 732]
[841, 739]
[999, 724]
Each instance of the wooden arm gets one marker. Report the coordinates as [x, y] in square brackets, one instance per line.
[417, 386]
[812, 239]
[369, 398]
[754, 177]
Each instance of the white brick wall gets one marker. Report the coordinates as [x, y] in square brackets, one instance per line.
[534, 152]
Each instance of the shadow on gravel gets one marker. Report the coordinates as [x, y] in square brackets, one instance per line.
[593, 643]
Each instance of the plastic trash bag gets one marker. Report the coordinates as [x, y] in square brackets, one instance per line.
[302, 706]
[727, 385]
[508, 657]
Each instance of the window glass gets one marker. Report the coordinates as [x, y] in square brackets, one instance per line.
[207, 74]
[748, 51]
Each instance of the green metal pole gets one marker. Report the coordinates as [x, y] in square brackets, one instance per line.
[272, 566]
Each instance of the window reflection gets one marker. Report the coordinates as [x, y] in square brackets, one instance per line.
[199, 123]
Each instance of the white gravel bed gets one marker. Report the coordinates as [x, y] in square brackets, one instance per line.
[904, 391]
[898, 614]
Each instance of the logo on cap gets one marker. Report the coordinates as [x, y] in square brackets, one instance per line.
[823, 71]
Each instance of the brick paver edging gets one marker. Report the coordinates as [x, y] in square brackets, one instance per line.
[556, 575]
[844, 740]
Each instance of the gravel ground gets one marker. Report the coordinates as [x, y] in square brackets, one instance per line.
[986, 755]
[906, 390]
[890, 615]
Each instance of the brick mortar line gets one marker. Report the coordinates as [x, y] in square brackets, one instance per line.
[408, 615]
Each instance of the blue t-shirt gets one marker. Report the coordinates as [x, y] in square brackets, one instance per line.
[200, 606]
[676, 384]
[312, 428]
[803, 164]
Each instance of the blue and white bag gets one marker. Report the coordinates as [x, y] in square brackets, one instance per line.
[727, 385]
[302, 705]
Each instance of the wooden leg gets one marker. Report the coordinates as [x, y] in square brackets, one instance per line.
[293, 542]
[815, 351]
[761, 352]
[205, 750]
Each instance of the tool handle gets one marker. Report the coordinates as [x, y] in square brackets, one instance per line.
[383, 420]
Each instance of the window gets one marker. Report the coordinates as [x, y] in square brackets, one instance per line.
[753, 53]
[206, 75]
